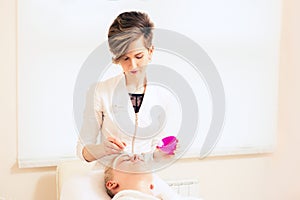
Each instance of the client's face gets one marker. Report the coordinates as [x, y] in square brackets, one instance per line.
[130, 163]
[127, 174]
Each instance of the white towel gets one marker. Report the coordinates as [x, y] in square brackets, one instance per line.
[137, 195]
[133, 195]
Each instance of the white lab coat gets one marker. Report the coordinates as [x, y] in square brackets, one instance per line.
[109, 112]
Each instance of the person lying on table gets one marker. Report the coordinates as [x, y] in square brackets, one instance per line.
[130, 177]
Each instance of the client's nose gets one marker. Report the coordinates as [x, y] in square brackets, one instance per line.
[135, 157]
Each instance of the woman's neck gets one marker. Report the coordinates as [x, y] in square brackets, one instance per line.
[136, 84]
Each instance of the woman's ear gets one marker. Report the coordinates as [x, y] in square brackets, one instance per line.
[150, 51]
[111, 185]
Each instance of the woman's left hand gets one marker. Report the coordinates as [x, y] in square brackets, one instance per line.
[158, 154]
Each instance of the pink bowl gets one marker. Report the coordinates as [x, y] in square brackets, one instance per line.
[168, 144]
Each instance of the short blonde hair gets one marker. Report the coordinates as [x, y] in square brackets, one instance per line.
[127, 28]
[108, 175]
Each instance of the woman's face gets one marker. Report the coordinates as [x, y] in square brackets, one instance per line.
[135, 61]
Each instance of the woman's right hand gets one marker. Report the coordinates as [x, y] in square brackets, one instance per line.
[113, 146]
[107, 147]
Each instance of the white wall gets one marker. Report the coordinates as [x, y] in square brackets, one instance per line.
[15, 183]
[242, 41]
[246, 177]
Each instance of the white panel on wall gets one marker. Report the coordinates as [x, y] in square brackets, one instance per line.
[55, 38]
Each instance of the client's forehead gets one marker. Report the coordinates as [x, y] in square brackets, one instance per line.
[130, 176]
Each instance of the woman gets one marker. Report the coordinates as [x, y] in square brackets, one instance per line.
[135, 129]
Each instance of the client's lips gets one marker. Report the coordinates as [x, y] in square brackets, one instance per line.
[133, 71]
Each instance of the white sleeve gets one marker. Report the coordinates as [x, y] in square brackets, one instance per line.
[92, 119]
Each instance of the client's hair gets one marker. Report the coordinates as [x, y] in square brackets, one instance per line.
[108, 175]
